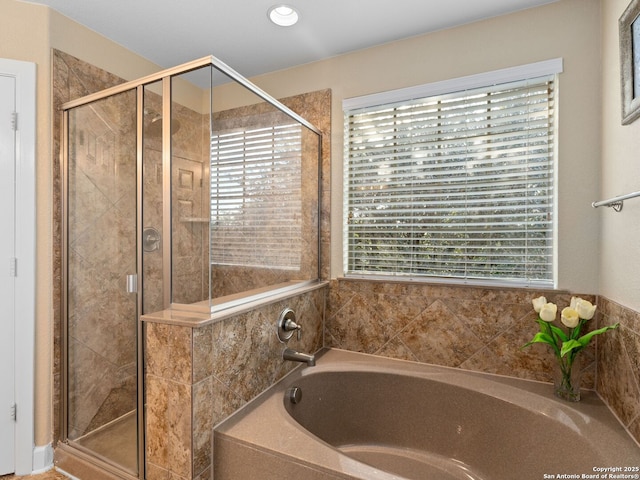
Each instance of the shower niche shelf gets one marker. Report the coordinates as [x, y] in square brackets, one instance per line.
[194, 220]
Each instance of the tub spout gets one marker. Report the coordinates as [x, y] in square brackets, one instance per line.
[294, 356]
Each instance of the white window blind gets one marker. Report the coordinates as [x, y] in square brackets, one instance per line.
[256, 197]
[457, 185]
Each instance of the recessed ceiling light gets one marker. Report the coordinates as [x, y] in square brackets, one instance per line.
[283, 15]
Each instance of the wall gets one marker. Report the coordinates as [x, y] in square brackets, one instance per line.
[619, 261]
[619, 174]
[480, 329]
[562, 29]
[28, 32]
[618, 362]
[197, 375]
[24, 31]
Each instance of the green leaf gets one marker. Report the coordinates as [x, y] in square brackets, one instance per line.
[541, 337]
[559, 332]
[570, 345]
[576, 330]
[585, 339]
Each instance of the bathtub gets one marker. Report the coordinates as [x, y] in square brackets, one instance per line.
[357, 416]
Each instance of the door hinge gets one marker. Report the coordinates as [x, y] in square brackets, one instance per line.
[13, 412]
[14, 121]
[13, 267]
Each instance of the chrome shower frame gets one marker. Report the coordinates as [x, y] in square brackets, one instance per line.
[164, 77]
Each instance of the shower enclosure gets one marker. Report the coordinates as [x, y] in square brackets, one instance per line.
[190, 190]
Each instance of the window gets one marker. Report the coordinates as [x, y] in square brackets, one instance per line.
[256, 197]
[454, 183]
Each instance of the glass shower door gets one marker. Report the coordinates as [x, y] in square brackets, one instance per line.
[102, 317]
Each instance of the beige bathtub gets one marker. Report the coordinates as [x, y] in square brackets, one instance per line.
[367, 417]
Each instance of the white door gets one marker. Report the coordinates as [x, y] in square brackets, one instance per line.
[17, 267]
[7, 273]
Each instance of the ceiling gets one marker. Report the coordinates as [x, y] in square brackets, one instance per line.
[238, 32]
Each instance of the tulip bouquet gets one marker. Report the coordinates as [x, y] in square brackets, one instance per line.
[565, 345]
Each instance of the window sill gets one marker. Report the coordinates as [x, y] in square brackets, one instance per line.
[453, 282]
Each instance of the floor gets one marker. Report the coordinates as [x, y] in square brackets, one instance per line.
[50, 475]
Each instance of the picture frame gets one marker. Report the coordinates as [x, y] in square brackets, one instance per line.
[629, 31]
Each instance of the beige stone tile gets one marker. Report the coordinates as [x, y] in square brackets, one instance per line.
[357, 326]
[616, 381]
[487, 319]
[437, 336]
[202, 353]
[203, 422]
[395, 348]
[180, 428]
[168, 351]
[169, 425]
[157, 423]
[631, 342]
[154, 472]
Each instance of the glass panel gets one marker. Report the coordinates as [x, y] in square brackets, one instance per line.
[190, 112]
[152, 212]
[102, 316]
[244, 193]
[264, 196]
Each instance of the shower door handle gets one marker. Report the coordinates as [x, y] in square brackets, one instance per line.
[132, 283]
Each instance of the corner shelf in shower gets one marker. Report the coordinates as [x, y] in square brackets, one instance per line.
[194, 220]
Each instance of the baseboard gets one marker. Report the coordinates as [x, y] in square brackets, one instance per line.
[42, 458]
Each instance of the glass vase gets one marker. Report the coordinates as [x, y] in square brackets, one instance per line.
[566, 379]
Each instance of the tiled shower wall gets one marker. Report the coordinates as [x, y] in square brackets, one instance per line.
[483, 329]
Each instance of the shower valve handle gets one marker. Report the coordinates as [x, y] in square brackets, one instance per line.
[286, 326]
[290, 325]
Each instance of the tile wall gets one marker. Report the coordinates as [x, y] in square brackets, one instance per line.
[618, 378]
[198, 375]
[479, 329]
[473, 328]
[483, 329]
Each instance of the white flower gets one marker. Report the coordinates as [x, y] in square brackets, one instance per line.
[584, 308]
[569, 317]
[548, 312]
[538, 303]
